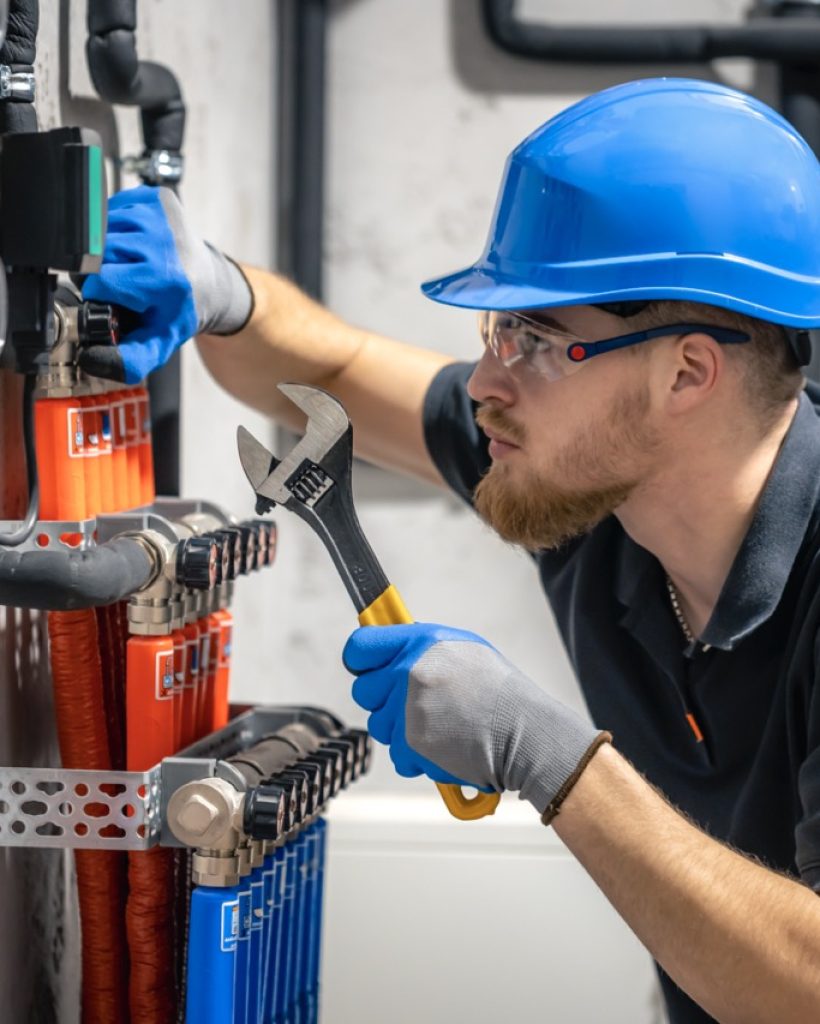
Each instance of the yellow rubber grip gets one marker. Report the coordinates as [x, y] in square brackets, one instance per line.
[389, 610]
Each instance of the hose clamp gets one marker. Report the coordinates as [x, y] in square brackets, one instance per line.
[156, 167]
[16, 86]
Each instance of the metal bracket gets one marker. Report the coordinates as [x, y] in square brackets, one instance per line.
[51, 535]
[56, 807]
[108, 810]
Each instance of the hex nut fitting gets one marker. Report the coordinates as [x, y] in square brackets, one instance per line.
[206, 814]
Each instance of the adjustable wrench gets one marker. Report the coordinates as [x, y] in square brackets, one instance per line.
[314, 481]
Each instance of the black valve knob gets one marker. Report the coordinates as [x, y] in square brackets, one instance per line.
[266, 531]
[97, 324]
[305, 797]
[196, 566]
[250, 545]
[223, 554]
[234, 542]
[265, 814]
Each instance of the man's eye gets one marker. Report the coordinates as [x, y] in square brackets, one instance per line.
[529, 343]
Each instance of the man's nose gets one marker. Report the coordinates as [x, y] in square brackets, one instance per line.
[491, 380]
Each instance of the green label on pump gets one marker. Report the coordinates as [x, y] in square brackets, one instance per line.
[95, 201]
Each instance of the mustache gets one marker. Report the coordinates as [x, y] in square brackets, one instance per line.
[497, 421]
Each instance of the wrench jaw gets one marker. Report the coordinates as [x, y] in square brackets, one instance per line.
[313, 481]
[322, 496]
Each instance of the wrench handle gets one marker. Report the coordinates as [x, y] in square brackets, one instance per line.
[390, 610]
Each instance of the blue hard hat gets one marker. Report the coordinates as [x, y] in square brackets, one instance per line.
[667, 188]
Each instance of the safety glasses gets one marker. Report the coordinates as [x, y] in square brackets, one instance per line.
[520, 341]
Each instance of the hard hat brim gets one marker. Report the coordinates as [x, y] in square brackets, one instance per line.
[484, 286]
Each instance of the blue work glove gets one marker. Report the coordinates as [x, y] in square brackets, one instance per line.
[155, 265]
[451, 707]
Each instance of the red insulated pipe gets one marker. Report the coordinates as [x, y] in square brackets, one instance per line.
[101, 874]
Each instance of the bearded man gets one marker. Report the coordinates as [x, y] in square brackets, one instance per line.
[638, 421]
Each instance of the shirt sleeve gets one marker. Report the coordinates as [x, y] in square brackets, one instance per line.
[456, 445]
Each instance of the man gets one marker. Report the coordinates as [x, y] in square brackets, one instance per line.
[637, 420]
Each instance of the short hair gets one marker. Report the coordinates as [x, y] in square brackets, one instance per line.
[771, 372]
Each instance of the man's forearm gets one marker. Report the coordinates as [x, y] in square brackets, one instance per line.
[381, 382]
[288, 337]
[743, 941]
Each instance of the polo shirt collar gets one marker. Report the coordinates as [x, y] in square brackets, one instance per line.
[762, 566]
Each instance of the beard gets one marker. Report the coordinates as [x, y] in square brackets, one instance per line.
[541, 511]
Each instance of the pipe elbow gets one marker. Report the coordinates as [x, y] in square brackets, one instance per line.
[69, 580]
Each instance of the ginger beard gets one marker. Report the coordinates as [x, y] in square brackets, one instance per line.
[601, 466]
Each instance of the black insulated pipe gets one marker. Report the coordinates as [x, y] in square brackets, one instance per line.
[67, 580]
[119, 76]
[18, 52]
[762, 38]
[300, 141]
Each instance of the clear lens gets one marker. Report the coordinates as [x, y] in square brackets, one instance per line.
[520, 342]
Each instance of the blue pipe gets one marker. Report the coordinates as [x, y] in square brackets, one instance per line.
[297, 964]
[294, 932]
[314, 955]
[255, 959]
[275, 930]
[306, 937]
[268, 876]
[243, 942]
[214, 931]
[286, 934]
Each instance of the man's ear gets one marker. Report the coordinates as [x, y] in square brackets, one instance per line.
[696, 364]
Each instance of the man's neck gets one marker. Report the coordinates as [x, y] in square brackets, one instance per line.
[695, 512]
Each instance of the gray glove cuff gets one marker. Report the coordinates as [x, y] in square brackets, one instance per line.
[222, 296]
[547, 744]
[231, 298]
[477, 716]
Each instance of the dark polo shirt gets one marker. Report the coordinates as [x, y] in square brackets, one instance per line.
[728, 729]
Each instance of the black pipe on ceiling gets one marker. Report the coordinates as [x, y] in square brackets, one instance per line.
[778, 38]
[301, 27]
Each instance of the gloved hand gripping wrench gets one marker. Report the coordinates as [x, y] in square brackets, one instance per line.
[314, 481]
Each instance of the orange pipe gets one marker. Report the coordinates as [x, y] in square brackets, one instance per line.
[149, 915]
[119, 455]
[209, 714]
[191, 686]
[149, 701]
[130, 404]
[108, 501]
[92, 428]
[146, 452]
[180, 657]
[83, 736]
[60, 445]
[222, 677]
[202, 694]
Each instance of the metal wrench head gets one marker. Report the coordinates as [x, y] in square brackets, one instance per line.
[327, 424]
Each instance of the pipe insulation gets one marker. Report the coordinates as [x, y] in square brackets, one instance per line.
[68, 580]
[18, 52]
[763, 38]
[119, 76]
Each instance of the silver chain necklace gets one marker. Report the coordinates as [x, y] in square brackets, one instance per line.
[674, 597]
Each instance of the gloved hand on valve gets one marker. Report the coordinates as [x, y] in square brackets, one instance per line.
[451, 707]
[180, 286]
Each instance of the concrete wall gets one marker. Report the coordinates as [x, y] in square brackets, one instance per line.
[422, 112]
